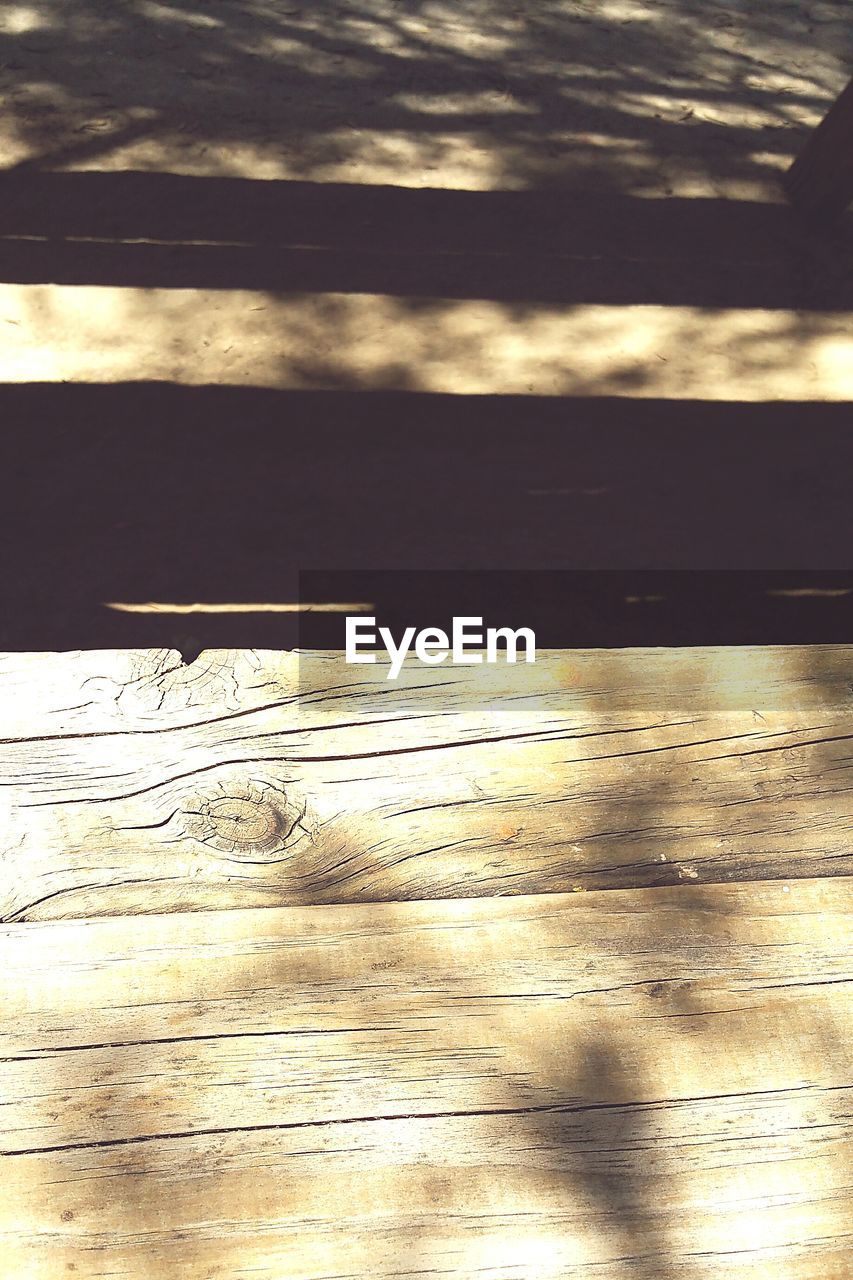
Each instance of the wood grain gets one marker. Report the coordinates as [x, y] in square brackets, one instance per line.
[646, 1084]
[130, 782]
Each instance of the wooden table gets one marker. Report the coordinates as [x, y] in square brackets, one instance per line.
[533, 972]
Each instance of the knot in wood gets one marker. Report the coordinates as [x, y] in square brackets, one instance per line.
[245, 824]
[251, 826]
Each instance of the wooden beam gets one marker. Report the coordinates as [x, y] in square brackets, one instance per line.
[649, 1084]
[130, 782]
[443, 346]
[820, 181]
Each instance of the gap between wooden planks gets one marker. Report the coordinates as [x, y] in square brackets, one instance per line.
[130, 782]
[642, 1084]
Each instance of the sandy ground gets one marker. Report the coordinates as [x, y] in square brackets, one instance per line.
[580, 107]
[684, 97]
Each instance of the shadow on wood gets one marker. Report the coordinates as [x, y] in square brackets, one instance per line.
[153, 492]
[151, 230]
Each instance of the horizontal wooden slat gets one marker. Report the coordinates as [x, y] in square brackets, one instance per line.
[177, 231]
[130, 782]
[629, 1084]
[300, 340]
[92, 514]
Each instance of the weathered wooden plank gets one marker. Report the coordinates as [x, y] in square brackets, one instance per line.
[298, 341]
[820, 181]
[632, 1084]
[92, 515]
[571, 246]
[130, 782]
[746, 1188]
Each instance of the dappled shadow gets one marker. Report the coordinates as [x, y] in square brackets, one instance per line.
[478, 353]
[109, 277]
[537, 1088]
[249, 1101]
[638, 1082]
[619, 95]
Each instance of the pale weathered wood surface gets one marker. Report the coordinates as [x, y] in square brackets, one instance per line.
[130, 782]
[646, 1084]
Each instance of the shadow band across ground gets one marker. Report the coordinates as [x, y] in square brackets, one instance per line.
[157, 230]
[137, 492]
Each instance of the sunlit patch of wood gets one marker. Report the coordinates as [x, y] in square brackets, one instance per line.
[329, 340]
[561, 1082]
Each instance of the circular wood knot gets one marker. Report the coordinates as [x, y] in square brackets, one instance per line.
[245, 824]
[251, 825]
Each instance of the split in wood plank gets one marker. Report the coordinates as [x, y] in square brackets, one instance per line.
[634, 1084]
[130, 782]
